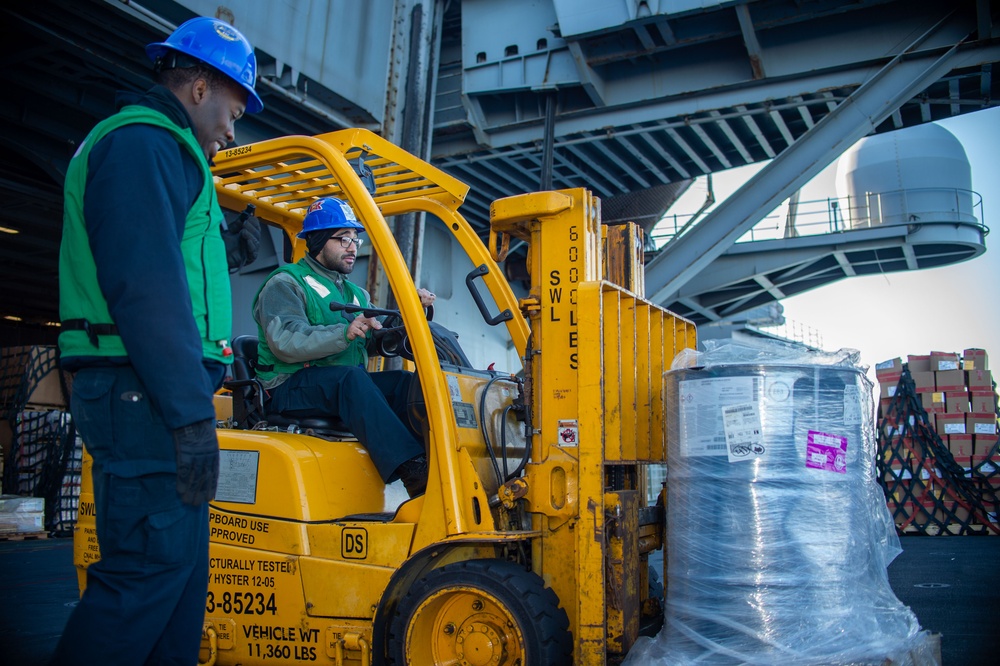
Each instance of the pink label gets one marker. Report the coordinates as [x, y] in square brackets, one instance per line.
[827, 452]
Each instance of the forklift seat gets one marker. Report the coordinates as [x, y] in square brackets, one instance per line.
[250, 400]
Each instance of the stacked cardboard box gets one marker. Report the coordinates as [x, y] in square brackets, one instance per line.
[30, 381]
[21, 514]
[64, 510]
[45, 454]
[39, 436]
[956, 392]
[888, 374]
[29, 376]
[35, 429]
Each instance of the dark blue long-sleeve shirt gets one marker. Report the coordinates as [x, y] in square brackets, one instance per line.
[141, 183]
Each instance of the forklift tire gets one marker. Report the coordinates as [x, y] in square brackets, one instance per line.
[480, 612]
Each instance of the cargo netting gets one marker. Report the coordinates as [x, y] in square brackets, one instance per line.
[927, 490]
[46, 454]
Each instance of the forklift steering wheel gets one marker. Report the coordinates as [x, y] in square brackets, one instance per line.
[391, 340]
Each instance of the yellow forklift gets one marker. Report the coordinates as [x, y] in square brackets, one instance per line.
[531, 544]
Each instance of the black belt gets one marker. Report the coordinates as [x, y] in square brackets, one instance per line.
[92, 330]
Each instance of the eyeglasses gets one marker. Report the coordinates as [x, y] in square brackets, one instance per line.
[345, 241]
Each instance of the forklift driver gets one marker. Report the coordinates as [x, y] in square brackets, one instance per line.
[311, 361]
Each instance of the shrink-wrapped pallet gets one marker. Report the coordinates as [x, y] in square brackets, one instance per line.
[778, 535]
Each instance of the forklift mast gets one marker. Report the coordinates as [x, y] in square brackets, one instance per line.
[595, 363]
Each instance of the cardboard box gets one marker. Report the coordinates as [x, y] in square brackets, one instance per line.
[36, 434]
[965, 462]
[979, 380]
[923, 382]
[933, 402]
[983, 402]
[889, 369]
[949, 424]
[918, 363]
[982, 445]
[902, 488]
[950, 380]
[957, 402]
[960, 446]
[21, 514]
[900, 510]
[952, 512]
[29, 376]
[66, 505]
[943, 361]
[985, 465]
[975, 359]
[981, 424]
[887, 390]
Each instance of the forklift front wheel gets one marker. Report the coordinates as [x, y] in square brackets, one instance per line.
[480, 612]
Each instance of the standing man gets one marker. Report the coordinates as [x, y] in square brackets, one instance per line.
[311, 361]
[146, 319]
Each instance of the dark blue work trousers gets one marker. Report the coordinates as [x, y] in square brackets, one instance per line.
[371, 405]
[145, 598]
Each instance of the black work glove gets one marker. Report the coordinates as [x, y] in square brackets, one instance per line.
[197, 461]
[242, 240]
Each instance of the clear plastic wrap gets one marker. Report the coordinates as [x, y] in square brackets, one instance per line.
[778, 535]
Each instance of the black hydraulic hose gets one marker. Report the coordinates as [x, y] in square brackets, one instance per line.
[501, 477]
[503, 442]
[483, 427]
[524, 458]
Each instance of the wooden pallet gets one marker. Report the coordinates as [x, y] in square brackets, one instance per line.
[951, 528]
[23, 536]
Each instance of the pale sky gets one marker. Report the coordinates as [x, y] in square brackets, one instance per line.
[915, 312]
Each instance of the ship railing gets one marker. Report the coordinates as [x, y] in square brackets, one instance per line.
[833, 215]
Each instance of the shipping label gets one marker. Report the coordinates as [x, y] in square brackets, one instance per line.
[826, 452]
[744, 436]
[702, 420]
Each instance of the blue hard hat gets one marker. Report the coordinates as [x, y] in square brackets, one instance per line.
[329, 213]
[218, 44]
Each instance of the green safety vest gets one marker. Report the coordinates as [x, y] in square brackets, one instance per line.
[204, 252]
[320, 291]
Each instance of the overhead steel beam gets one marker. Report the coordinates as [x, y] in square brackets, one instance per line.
[595, 165]
[666, 32]
[665, 154]
[626, 143]
[905, 75]
[592, 82]
[779, 122]
[750, 39]
[911, 258]
[723, 125]
[688, 150]
[845, 264]
[605, 189]
[804, 113]
[614, 159]
[755, 130]
[707, 140]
